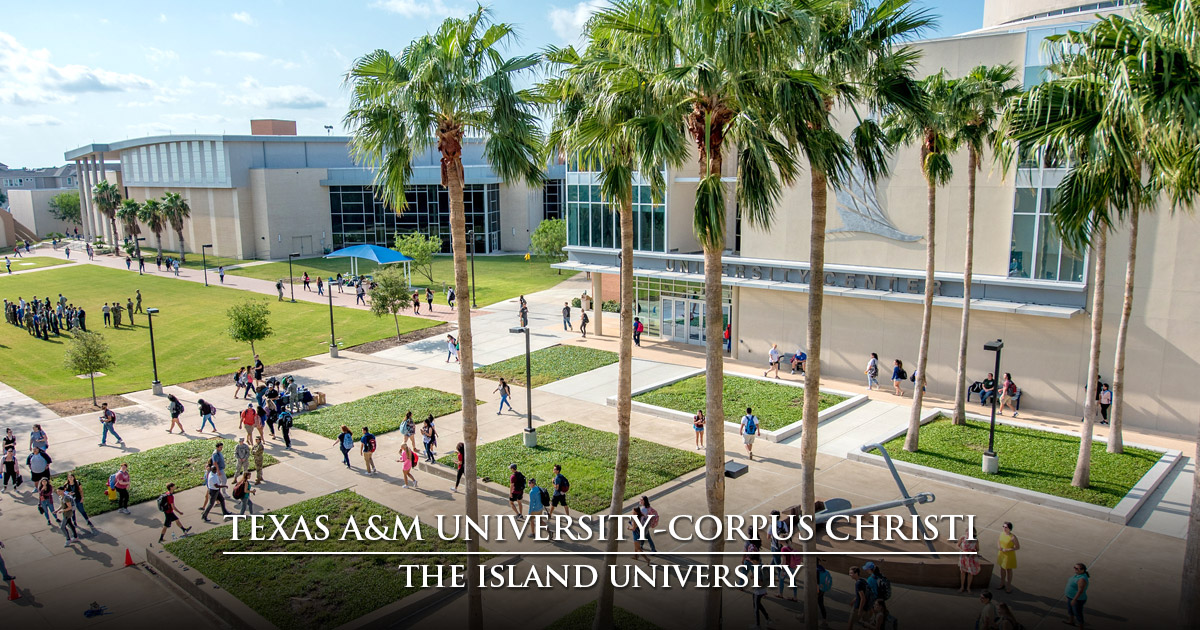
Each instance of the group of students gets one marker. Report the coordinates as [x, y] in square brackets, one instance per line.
[41, 318]
[541, 501]
[112, 311]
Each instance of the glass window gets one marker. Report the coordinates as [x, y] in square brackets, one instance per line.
[1022, 246]
[1026, 201]
[1036, 250]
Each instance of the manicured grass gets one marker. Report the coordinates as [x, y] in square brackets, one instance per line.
[151, 470]
[775, 405]
[549, 364]
[191, 260]
[36, 262]
[316, 591]
[588, 457]
[189, 334]
[381, 412]
[1035, 460]
[581, 619]
[500, 277]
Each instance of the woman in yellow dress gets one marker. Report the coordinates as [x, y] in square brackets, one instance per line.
[1006, 559]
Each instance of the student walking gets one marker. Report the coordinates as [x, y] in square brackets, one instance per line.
[166, 505]
[505, 392]
[38, 463]
[451, 348]
[66, 507]
[320, 286]
[175, 408]
[1076, 593]
[1106, 398]
[368, 450]
[898, 376]
[566, 312]
[75, 489]
[1006, 557]
[872, 372]
[538, 499]
[637, 331]
[241, 454]
[429, 298]
[360, 294]
[218, 460]
[45, 506]
[279, 289]
[38, 439]
[108, 421]
[221, 273]
[758, 592]
[968, 564]
[561, 487]
[636, 528]
[459, 452]
[12, 471]
[212, 481]
[1008, 396]
[256, 452]
[416, 303]
[345, 441]
[206, 416]
[698, 425]
[773, 357]
[242, 491]
[450, 297]
[120, 482]
[408, 459]
[307, 280]
[249, 419]
[408, 431]
[749, 431]
[583, 322]
[523, 316]
[429, 437]
[651, 516]
[516, 490]
[239, 381]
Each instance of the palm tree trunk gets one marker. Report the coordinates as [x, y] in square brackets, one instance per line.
[1116, 443]
[604, 606]
[819, 196]
[158, 239]
[112, 220]
[180, 233]
[714, 428]
[1189, 604]
[458, 242]
[960, 381]
[914, 415]
[1083, 467]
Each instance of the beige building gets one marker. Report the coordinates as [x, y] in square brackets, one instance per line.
[272, 193]
[1028, 289]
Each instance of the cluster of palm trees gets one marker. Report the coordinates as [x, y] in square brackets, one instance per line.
[751, 87]
[156, 214]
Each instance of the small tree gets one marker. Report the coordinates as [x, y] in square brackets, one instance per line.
[249, 321]
[88, 353]
[65, 207]
[390, 295]
[549, 239]
[420, 248]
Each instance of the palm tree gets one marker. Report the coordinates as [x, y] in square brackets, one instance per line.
[933, 126]
[176, 210]
[731, 65]
[982, 95]
[445, 85]
[152, 215]
[107, 198]
[604, 116]
[128, 213]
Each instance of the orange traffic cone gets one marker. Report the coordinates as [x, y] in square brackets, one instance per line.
[128, 558]
[13, 593]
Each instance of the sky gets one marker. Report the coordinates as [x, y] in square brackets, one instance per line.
[73, 73]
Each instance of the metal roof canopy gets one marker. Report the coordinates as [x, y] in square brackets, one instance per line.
[380, 255]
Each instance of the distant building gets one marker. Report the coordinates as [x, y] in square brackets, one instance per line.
[36, 178]
[27, 192]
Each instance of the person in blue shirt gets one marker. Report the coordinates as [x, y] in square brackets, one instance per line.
[536, 505]
[1076, 593]
[872, 582]
[798, 361]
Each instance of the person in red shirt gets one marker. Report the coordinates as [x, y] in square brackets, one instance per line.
[249, 419]
[170, 514]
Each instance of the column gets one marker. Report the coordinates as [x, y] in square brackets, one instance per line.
[85, 204]
[597, 310]
[733, 320]
[85, 178]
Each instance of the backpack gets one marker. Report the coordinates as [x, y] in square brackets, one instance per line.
[883, 587]
[751, 424]
[653, 514]
[239, 490]
[347, 441]
[638, 327]
[913, 378]
[824, 580]
[1011, 390]
[371, 445]
[112, 480]
[518, 481]
[177, 408]
[416, 458]
[545, 496]
[565, 486]
[162, 503]
[903, 374]
[285, 420]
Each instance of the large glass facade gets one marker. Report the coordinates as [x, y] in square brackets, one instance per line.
[674, 309]
[359, 217]
[1036, 251]
[552, 192]
[591, 222]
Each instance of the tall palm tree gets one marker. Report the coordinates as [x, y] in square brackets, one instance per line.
[152, 215]
[982, 95]
[445, 85]
[176, 210]
[605, 117]
[932, 125]
[107, 198]
[128, 213]
[732, 65]
[858, 49]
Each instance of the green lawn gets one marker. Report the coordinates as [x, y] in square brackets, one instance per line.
[581, 619]
[381, 412]
[1035, 460]
[35, 262]
[549, 364]
[151, 470]
[587, 457]
[776, 405]
[500, 277]
[311, 592]
[192, 260]
[189, 333]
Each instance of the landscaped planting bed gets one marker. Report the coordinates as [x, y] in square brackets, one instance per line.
[776, 405]
[381, 412]
[549, 364]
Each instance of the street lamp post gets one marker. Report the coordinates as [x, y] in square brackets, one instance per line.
[204, 262]
[471, 240]
[530, 432]
[291, 281]
[156, 385]
[991, 464]
[333, 349]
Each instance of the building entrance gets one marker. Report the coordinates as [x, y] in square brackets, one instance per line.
[683, 320]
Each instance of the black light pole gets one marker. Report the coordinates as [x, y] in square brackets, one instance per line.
[156, 385]
[471, 239]
[990, 463]
[530, 432]
[204, 261]
[333, 349]
[291, 282]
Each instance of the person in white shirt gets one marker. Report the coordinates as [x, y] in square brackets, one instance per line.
[773, 357]
[212, 481]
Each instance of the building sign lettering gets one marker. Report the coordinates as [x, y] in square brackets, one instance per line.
[857, 280]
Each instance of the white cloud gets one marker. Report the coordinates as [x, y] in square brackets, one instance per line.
[161, 57]
[243, 17]
[31, 120]
[568, 23]
[278, 96]
[162, 17]
[418, 8]
[242, 55]
[28, 77]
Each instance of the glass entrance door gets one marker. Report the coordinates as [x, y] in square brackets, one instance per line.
[683, 320]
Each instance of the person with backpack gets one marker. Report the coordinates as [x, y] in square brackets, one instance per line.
[460, 453]
[212, 482]
[256, 452]
[862, 599]
[408, 460]
[538, 498]
[218, 460]
[238, 385]
[242, 491]
[175, 408]
[66, 507]
[249, 419]
[898, 376]
[824, 585]
[45, 497]
[883, 619]
[108, 421]
[561, 487]
[206, 412]
[75, 489]
[987, 612]
[279, 289]
[637, 331]
[878, 587]
[120, 482]
[1008, 395]
[749, 431]
[12, 471]
[566, 313]
[505, 392]
[451, 349]
[429, 437]
[166, 505]
[345, 442]
[583, 322]
[651, 516]
[368, 450]
[516, 490]
[38, 463]
[408, 431]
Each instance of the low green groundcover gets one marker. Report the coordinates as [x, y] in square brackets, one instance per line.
[1036, 460]
[315, 591]
[776, 405]
[549, 364]
[581, 619]
[150, 471]
[382, 412]
[26, 263]
[588, 457]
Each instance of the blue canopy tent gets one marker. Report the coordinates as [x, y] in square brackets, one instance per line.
[380, 255]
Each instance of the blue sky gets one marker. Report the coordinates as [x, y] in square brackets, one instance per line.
[72, 73]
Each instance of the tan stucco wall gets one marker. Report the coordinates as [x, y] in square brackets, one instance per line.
[8, 237]
[520, 213]
[31, 208]
[288, 204]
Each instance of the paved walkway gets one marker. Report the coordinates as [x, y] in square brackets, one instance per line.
[600, 384]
